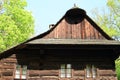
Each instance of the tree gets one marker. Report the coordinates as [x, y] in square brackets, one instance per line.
[114, 6]
[1, 6]
[16, 23]
[117, 62]
[110, 22]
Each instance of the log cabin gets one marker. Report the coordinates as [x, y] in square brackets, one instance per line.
[75, 48]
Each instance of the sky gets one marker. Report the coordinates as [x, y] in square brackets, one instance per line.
[46, 12]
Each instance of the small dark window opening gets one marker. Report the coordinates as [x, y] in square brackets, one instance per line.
[75, 16]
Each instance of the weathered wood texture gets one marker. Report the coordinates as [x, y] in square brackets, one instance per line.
[47, 67]
[7, 67]
[82, 30]
[43, 58]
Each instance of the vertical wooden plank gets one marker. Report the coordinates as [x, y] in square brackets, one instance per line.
[83, 30]
[52, 34]
[92, 32]
[60, 31]
[87, 29]
[80, 30]
[77, 31]
[63, 29]
[74, 26]
[72, 31]
[68, 30]
[96, 34]
[56, 31]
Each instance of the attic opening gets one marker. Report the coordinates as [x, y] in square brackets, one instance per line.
[75, 15]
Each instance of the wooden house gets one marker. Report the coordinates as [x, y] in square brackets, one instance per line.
[75, 48]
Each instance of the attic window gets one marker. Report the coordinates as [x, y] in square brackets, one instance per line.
[74, 16]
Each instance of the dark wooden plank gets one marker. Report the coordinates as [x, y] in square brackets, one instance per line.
[44, 72]
[87, 29]
[106, 73]
[79, 73]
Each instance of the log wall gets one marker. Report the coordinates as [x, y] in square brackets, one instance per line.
[7, 67]
[48, 67]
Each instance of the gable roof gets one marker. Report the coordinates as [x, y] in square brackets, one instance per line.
[75, 24]
[70, 14]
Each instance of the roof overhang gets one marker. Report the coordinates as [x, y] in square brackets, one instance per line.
[73, 44]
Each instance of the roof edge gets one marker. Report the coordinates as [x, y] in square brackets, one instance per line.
[98, 28]
[51, 29]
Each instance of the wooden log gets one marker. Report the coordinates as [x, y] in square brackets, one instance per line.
[9, 60]
[106, 73]
[8, 67]
[107, 78]
[7, 73]
[43, 79]
[7, 78]
[43, 72]
[79, 73]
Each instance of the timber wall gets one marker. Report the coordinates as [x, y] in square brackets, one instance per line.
[48, 67]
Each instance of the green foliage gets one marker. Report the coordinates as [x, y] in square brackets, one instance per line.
[8, 32]
[109, 20]
[117, 62]
[1, 5]
[114, 7]
[16, 24]
[105, 24]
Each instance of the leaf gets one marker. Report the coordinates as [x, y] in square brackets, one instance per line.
[16, 24]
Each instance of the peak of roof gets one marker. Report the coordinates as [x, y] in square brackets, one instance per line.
[75, 14]
[75, 6]
[76, 11]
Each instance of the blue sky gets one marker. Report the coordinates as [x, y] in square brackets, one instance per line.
[47, 12]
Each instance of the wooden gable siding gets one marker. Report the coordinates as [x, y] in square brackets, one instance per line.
[82, 30]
